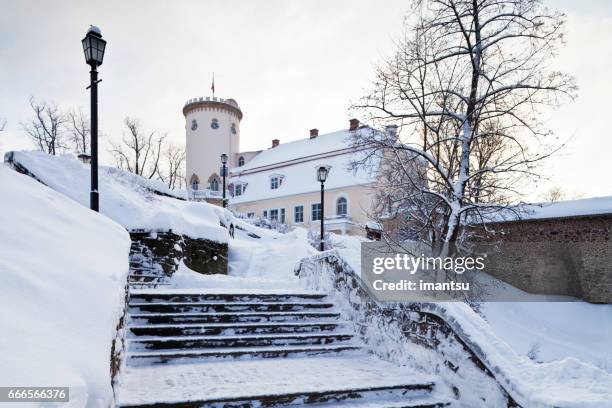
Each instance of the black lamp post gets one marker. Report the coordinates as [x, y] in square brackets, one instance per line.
[93, 47]
[224, 174]
[322, 173]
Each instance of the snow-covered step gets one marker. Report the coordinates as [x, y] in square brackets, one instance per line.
[191, 329]
[341, 381]
[177, 295]
[235, 352]
[258, 340]
[427, 401]
[207, 307]
[167, 318]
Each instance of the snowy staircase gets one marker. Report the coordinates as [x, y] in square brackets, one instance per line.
[259, 349]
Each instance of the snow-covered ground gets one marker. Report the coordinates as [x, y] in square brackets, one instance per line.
[63, 270]
[550, 331]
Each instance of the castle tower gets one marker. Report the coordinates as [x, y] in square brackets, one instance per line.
[212, 127]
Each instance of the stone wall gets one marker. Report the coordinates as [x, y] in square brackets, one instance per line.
[562, 256]
[167, 249]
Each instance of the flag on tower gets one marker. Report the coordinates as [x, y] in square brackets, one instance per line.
[212, 88]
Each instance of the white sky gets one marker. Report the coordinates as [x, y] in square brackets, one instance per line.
[292, 65]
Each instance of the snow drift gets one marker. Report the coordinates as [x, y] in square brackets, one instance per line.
[63, 270]
[127, 198]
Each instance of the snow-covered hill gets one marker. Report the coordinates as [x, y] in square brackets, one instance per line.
[63, 270]
[126, 198]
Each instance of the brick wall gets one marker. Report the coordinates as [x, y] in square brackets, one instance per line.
[564, 256]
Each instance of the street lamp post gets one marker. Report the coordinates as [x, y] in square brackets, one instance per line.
[94, 47]
[322, 173]
[224, 174]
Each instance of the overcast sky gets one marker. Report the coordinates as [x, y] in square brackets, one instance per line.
[291, 65]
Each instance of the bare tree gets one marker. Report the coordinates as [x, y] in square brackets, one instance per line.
[174, 164]
[555, 194]
[139, 152]
[78, 128]
[47, 127]
[466, 86]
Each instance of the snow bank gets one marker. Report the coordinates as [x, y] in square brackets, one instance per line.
[566, 383]
[63, 272]
[127, 198]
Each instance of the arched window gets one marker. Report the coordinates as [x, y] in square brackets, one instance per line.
[214, 185]
[240, 161]
[341, 207]
[195, 182]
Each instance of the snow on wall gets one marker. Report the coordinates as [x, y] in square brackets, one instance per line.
[126, 198]
[63, 270]
[566, 383]
[561, 209]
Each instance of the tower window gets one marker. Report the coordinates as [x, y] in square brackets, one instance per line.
[233, 128]
[214, 185]
[194, 124]
[240, 161]
[214, 123]
[341, 207]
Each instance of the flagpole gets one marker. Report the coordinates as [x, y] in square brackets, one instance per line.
[213, 85]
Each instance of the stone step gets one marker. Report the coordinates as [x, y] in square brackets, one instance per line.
[153, 357]
[211, 342]
[235, 328]
[395, 396]
[208, 307]
[182, 296]
[236, 317]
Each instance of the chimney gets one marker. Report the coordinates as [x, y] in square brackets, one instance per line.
[275, 143]
[314, 133]
[353, 124]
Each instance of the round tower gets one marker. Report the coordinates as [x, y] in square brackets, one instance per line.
[212, 127]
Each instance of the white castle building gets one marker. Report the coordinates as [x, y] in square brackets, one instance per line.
[278, 183]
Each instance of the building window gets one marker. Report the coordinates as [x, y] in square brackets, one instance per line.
[214, 123]
[240, 161]
[214, 185]
[341, 207]
[195, 182]
[316, 212]
[282, 215]
[298, 213]
[251, 215]
[233, 129]
[194, 124]
[265, 213]
[274, 215]
[238, 190]
[274, 183]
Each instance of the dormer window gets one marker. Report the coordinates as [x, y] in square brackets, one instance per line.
[240, 161]
[276, 180]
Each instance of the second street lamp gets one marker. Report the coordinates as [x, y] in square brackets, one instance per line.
[224, 174]
[94, 47]
[322, 173]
